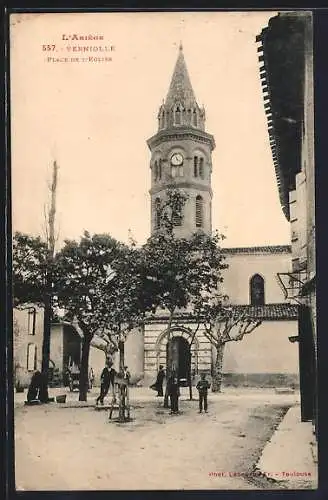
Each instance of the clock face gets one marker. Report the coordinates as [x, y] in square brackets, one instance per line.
[176, 159]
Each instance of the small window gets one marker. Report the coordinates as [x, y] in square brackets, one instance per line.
[159, 169]
[195, 166]
[201, 168]
[178, 116]
[157, 213]
[199, 211]
[194, 118]
[31, 314]
[173, 171]
[31, 357]
[257, 290]
[155, 170]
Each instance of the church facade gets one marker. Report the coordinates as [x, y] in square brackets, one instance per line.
[181, 155]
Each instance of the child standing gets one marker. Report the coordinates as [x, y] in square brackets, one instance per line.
[202, 386]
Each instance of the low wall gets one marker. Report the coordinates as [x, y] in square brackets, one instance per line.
[261, 380]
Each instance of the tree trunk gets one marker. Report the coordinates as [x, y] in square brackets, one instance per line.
[168, 368]
[121, 351]
[217, 369]
[84, 368]
[121, 401]
[43, 394]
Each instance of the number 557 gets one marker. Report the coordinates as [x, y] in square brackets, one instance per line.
[48, 47]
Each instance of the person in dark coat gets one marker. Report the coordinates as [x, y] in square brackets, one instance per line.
[174, 392]
[203, 386]
[34, 387]
[105, 380]
[158, 386]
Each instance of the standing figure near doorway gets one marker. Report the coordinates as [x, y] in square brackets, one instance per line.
[158, 385]
[173, 392]
[203, 386]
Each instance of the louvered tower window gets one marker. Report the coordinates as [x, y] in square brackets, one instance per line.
[177, 218]
[159, 169]
[157, 213]
[201, 168]
[195, 166]
[199, 211]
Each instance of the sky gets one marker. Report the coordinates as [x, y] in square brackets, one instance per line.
[94, 118]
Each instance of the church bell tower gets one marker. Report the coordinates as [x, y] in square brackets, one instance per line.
[181, 155]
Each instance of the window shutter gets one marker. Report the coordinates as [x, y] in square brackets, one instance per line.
[199, 211]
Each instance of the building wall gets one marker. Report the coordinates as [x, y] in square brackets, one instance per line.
[265, 356]
[97, 361]
[21, 340]
[243, 266]
[56, 346]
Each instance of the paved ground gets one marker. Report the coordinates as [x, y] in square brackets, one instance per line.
[66, 448]
[291, 454]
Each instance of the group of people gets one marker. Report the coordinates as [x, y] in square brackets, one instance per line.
[173, 389]
[107, 381]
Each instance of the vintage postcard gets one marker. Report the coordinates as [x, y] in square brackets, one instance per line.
[164, 321]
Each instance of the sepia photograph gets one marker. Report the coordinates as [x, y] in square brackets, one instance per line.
[163, 251]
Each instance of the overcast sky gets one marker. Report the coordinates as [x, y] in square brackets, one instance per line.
[94, 119]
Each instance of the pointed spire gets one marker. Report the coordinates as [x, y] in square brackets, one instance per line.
[180, 89]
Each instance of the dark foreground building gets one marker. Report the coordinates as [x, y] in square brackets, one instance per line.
[286, 54]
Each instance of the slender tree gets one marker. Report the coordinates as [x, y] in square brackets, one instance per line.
[222, 324]
[48, 292]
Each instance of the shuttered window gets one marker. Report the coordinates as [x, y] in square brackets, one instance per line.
[199, 211]
[157, 213]
[31, 357]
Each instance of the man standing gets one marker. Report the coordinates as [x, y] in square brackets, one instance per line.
[202, 386]
[104, 384]
[173, 392]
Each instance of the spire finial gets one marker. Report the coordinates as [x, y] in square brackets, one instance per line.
[180, 46]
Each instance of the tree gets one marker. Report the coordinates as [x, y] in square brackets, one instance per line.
[29, 264]
[181, 270]
[222, 324]
[129, 299]
[48, 290]
[85, 283]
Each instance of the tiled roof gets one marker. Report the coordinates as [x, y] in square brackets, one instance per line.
[260, 249]
[267, 312]
[270, 312]
[282, 52]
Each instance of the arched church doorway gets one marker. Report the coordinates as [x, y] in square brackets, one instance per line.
[178, 357]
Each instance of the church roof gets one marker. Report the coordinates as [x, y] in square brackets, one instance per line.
[259, 249]
[180, 90]
[269, 312]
